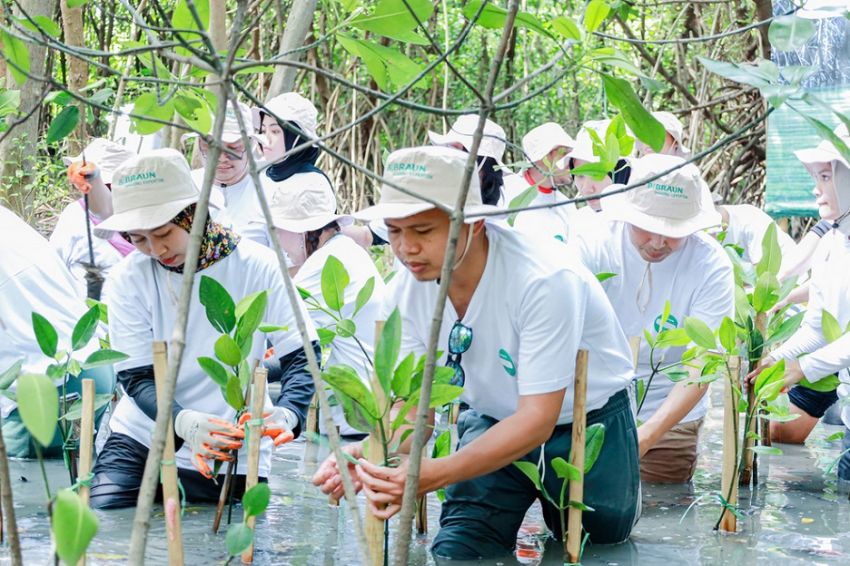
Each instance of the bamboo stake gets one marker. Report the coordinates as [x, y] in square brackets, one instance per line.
[750, 472]
[375, 527]
[422, 515]
[572, 545]
[86, 444]
[731, 444]
[8, 505]
[170, 491]
[313, 416]
[258, 398]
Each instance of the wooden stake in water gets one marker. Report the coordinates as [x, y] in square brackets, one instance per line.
[313, 415]
[168, 467]
[572, 545]
[422, 515]
[750, 472]
[258, 398]
[375, 527]
[731, 445]
[86, 443]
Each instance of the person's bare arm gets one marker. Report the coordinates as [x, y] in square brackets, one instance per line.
[682, 399]
[505, 442]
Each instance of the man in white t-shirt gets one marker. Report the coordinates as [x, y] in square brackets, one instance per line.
[546, 146]
[655, 245]
[234, 200]
[516, 315]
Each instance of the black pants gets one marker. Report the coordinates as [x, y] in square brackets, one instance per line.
[118, 474]
[480, 517]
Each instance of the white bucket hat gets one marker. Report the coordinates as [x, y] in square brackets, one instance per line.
[433, 171]
[107, 155]
[309, 208]
[291, 107]
[463, 130]
[825, 151]
[538, 142]
[149, 190]
[230, 132]
[822, 9]
[583, 148]
[674, 127]
[675, 205]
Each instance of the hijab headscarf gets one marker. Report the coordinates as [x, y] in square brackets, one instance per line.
[303, 161]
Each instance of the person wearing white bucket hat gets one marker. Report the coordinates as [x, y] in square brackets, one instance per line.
[674, 142]
[589, 185]
[545, 147]
[499, 186]
[154, 201]
[515, 362]
[310, 231]
[233, 193]
[654, 241]
[70, 236]
[829, 291]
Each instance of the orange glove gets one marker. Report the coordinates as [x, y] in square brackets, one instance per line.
[208, 437]
[80, 175]
[275, 425]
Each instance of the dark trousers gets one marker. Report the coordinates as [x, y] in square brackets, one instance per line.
[118, 474]
[480, 517]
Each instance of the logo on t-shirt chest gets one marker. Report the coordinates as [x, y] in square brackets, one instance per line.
[507, 362]
[671, 323]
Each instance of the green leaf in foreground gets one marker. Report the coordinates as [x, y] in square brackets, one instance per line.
[74, 524]
[256, 499]
[239, 538]
[38, 406]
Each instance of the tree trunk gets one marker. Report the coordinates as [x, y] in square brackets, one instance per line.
[298, 25]
[78, 71]
[764, 10]
[17, 151]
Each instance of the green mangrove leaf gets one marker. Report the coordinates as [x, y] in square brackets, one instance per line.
[104, 357]
[219, 305]
[214, 370]
[564, 470]
[700, 333]
[256, 499]
[593, 440]
[73, 525]
[85, 328]
[335, 279]
[387, 350]
[63, 124]
[239, 538]
[363, 295]
[38, 406]
[45, 335]
[227, 350]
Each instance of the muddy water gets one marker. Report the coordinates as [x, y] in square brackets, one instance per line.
[796, 515]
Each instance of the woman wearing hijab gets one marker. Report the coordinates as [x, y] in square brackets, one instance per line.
[807, 353]
[154, 202]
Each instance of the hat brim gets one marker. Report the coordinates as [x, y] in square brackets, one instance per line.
[313, 223]
[465, 141]
[146, 217]
[256, 115]
[819, 155]
[616, 207]
[472, 213]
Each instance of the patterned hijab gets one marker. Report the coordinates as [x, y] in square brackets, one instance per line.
[217, 241]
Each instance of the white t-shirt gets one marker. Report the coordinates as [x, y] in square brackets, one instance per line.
[360, 268]
[70, 240]
[533, 309]
[697, 279]
[142, 299]
[550, 223]
[238, 207]
[33, 279]
[829, 290]
[746, 228]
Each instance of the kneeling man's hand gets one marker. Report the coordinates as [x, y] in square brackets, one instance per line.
[328, 477]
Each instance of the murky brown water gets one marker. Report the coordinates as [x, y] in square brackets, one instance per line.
[797, 515]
